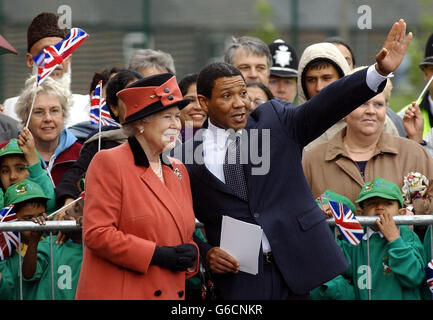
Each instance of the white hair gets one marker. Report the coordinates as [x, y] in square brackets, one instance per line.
[144, 58]
[49, 86]
[131, 129]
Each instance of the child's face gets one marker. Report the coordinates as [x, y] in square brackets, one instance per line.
[75, 213]
[72, 213]
[376, 206]
[27, 213]
[12, 170]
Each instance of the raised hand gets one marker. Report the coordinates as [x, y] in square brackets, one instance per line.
[387, 226]
[394, 48]
[27, 145]
[413, 122]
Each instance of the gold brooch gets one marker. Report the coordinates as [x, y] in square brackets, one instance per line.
[177, 173]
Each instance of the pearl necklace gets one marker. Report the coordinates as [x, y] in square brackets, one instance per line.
[159, 171]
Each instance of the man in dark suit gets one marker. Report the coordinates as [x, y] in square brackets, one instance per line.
[268, 188]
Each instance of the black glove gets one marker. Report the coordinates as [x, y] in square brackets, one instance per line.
[177, 258]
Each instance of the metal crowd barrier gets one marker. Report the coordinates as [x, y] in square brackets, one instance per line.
[54, 226]
[413, 220]
[50, 226]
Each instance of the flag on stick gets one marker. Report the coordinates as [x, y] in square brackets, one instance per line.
[8, 239]
[50, 57]
[82, 195]
[418, 101]
[350, 229]
[99, 109]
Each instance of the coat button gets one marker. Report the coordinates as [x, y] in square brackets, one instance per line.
[180, 293]
[157, 293]
[170, 97]
[166, 90]
[256, 215]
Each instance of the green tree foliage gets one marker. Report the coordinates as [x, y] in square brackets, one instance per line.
[266, 30]
[416, 52]
[417, 47]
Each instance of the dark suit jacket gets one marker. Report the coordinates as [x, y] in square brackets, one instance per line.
[280, 202]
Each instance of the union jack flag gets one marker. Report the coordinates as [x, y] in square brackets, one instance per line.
[350, 229]
[429, 275]
[8, 239]
[50, 57]
[99, 103]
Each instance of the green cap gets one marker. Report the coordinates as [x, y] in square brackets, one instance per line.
[331, 195]
[11, 148]
[379, 187]
[22, 191]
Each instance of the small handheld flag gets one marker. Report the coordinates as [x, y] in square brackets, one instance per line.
[418, 101]
[99, 109]
[429, 275]
[350, 229]
[50, 57]
[8, 240]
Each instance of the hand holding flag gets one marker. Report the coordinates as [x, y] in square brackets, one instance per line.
[350, 229]
[8, 239]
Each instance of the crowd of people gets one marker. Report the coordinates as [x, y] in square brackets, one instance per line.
[182, 151]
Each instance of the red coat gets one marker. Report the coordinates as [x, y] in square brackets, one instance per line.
[127, 212]
[64, 161]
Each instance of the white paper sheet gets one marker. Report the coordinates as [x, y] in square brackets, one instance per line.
[242, 241]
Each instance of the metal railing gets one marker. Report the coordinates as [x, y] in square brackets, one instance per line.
[50, 226]
[412, 220]
[54, 226]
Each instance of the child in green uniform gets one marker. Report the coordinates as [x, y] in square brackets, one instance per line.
[19, 160]
[396, 255]
[427, 294]
[29, 202]
[67, 258]
[323, 202]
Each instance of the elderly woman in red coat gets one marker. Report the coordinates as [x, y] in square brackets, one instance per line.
[138, 215]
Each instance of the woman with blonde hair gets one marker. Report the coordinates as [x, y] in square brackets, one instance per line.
[362, 151]
[57, 146]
